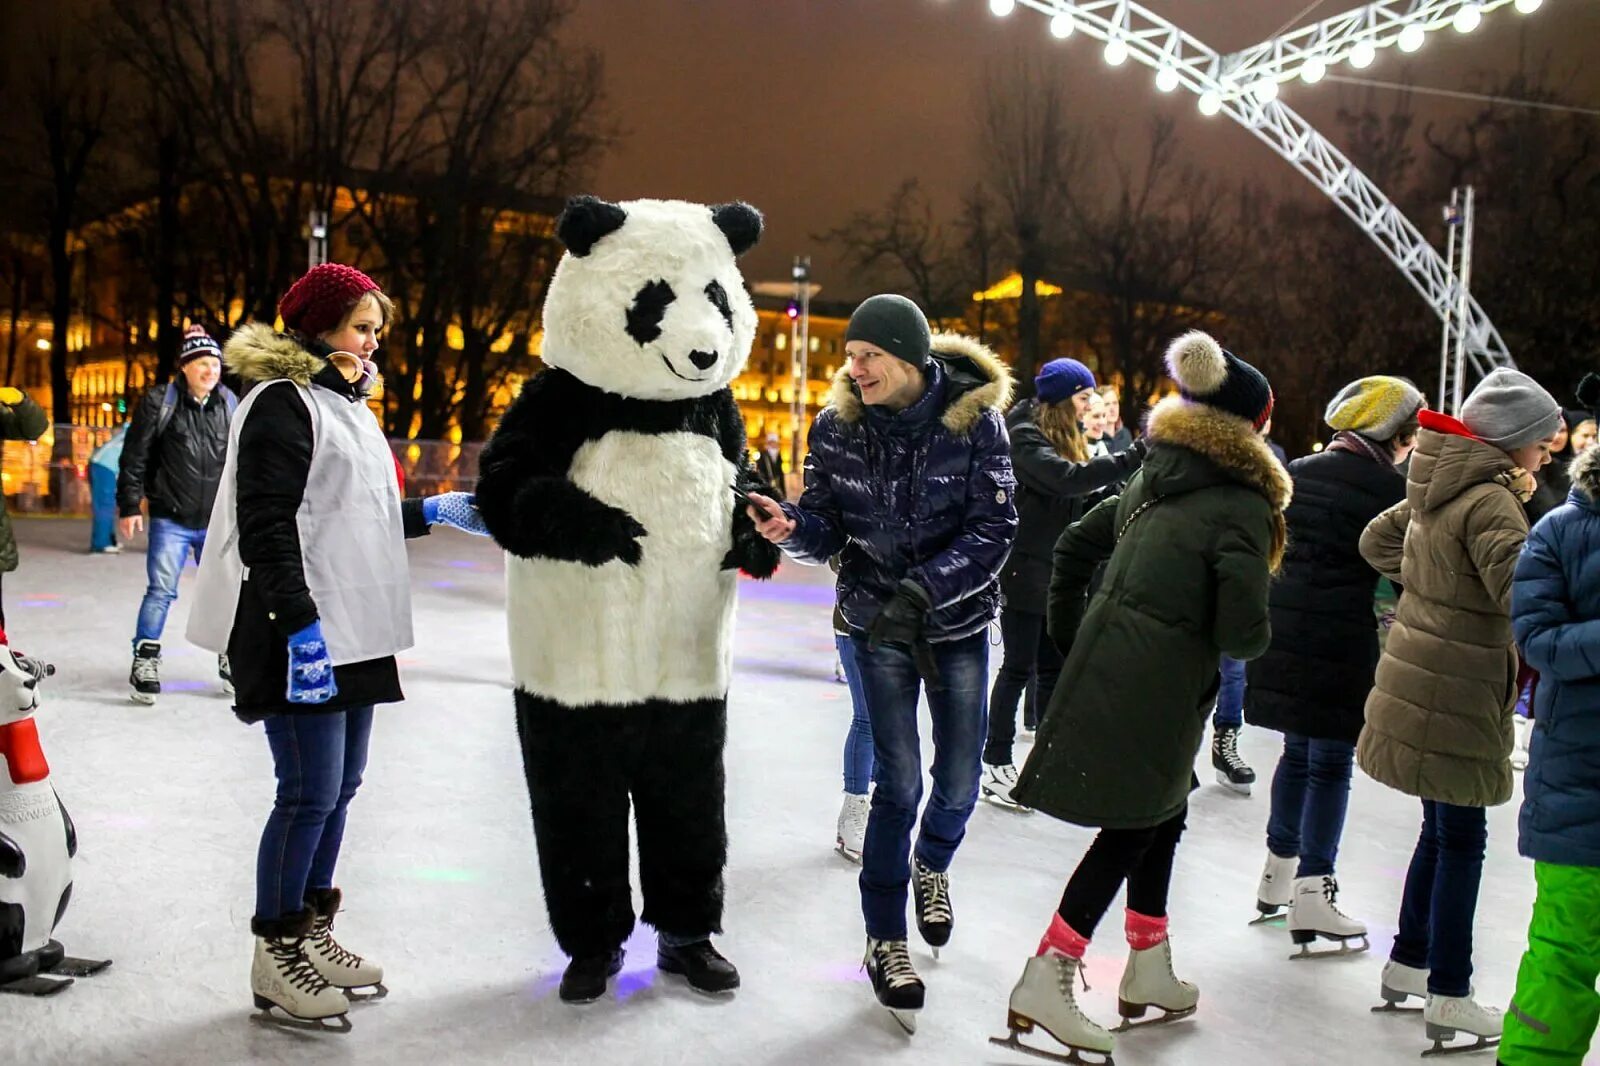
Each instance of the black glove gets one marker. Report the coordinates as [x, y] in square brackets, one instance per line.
[901, 621]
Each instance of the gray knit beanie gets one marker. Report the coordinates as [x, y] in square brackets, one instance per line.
[1510, 410]
[894, 324]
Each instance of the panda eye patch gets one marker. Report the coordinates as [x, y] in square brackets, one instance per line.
[719, 299]
[649, 307]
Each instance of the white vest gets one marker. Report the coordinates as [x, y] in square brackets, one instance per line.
[352, 537]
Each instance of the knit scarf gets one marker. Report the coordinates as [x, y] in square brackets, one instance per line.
[1347, 440]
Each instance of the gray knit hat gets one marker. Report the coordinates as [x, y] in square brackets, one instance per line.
[894, 324]
[1510, 410]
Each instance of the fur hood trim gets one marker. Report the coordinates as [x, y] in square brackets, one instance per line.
[257, 352]
[1585, 471]
[1227, 440]
[978, 381]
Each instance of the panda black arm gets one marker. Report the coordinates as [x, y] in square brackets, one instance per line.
[531, 508]
[13, 864]
[751, 552]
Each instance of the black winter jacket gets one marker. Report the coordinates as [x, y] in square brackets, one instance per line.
[275, 446]
[1315, 677]
[177, 470]
[1052, 493]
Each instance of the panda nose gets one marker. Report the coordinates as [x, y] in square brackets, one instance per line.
[702, 360]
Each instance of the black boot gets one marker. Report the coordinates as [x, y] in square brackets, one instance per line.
[586, 976]
[701, 963]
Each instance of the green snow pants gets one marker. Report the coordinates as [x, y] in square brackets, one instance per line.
[1553, 1016]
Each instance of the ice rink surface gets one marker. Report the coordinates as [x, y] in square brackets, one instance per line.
[441, 884]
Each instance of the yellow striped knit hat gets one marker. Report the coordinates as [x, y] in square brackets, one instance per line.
[1374, 407]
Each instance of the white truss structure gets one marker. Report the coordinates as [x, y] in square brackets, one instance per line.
[1229, 84]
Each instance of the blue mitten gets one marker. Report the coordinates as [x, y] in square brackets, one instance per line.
[310, 667]
[456, 509]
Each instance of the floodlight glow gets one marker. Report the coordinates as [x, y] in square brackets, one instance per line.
[1061, 26]
[1362, 55]
[1468, 18]
[1528, 7]
[1116, 51]
[1167, 79]
[1411, 38]
[1210, 103]
[1002, 8]
[1314, 71]
[1265, 91]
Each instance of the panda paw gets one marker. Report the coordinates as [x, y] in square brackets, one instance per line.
[616, 537]
[753, 554]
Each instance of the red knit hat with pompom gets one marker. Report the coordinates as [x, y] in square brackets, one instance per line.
[318, 302]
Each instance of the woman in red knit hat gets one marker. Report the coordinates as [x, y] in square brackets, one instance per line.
[310, 597]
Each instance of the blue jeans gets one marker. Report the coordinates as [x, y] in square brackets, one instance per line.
[890, 685]
[103, 500]
[170, 546]
[1441, 897]
[858, 739]
[1310, 793]
[318, 760]
[1230, 695]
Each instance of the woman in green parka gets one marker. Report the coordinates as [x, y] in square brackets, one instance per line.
[21, 418]
[1192, 544]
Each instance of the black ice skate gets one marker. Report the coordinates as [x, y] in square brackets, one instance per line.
[586, 976]
[936, 920]
[144, 680]
[701, 964]
[1232, 771]
[895, 981]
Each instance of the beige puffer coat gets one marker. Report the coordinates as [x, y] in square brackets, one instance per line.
[1439, 717]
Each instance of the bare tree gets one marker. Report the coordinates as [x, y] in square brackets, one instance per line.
[903, 246]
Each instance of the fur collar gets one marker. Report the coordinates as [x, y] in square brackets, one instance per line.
[256, 352]
[1227, 440]
[1585, 473]
[977, 381]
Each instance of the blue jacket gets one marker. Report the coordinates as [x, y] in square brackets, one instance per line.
[926, 493]
[1555, 610]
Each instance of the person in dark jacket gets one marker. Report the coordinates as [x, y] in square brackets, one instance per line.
[909, 477]
[1192, 543]
[307, 590]
[172, 460]
[1555, 613]
[21, 418]
[769, 467]
[1121, 436]
[1312, 683]
[1057, 481]
[1555, 480]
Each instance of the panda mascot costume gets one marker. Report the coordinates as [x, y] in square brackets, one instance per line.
[613, 485]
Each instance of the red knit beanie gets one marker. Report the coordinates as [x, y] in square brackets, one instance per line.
[319, 301]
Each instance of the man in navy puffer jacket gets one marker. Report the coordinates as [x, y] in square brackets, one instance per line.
[909, 480]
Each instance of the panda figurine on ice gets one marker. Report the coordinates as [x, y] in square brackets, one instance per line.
[37, 843]
[611, 483]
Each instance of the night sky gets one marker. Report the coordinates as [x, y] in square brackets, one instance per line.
[812, 109]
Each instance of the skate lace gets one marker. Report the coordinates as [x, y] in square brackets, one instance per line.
[146, 669]
[297, 968]
[894, 962]
[934, 890]
[224, 667]
[1228, 748]
[322, 941]
[1006, 775]
[1065, 968]
[1330, 892]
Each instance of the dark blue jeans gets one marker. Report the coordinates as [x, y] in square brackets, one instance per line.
[891, 685]
[1230, 694]
[103, 498]
[858, 738]
[170, 547]
[1310, 793]
[1441, 897]
[318, 759]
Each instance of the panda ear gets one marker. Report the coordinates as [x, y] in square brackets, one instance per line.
[585, 220]
[740, 222]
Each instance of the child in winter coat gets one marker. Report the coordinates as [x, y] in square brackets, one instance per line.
[309, 597]
[1438, 721]
[1192, 544]
[1555, 612]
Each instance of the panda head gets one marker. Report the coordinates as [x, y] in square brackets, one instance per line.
[648, 301]
[19, 685]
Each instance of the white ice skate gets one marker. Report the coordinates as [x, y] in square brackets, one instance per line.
[1315, 913]
[1398, 984]
[1523, 730]
[1276, 888]
[852, 829]
[342, 969]
[1446, 1016]
[1149, 981]
[282, 976]
[998, 781]
[1044, 998]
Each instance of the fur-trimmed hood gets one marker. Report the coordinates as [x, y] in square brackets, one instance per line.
[1585, 474]
[976, 380]
[1227, 440]
[257, 352]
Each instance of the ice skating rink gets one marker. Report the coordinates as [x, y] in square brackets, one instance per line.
[441, 883]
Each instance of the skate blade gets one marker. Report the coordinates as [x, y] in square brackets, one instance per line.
[37, 987]
[1136, 1021]
[71, 967]
[1395, 1007]
[847, 854]
[1005, 804]
[366, 993]
[1483, 1043]
[275, 1017]
[1073, 1055]
[1343, 949]
[905, 1019]
[1268, 917]
[1240, 789]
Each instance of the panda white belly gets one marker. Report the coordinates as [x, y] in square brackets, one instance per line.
[31, 817]
[657, 630]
